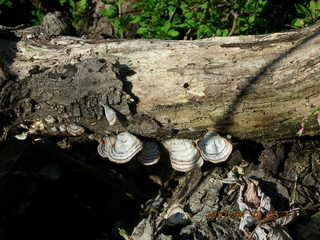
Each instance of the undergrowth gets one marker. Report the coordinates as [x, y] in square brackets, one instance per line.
[177, 19]
[196, 19]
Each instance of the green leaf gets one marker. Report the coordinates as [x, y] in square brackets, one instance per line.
[135, 19]
[236, 6]
[123, 233]
[203, 6]
[302, 10]
[251, 19]
[37, 17]
[316, 215]
[173, 33]
[225, 32]
[200, 15]
[6, 3]
[110, 12]
[315, 9]
[188, 14]
[171, 11]
[83, 5]
[298, 22]
[117, 22]
[182, 25]
[249, 7]
[203, 29]
[118, 2]
[191, 23]
[244, 28]
[263, 2]
[218, 32]
[62, 2]
[166, 26]
[142, 30]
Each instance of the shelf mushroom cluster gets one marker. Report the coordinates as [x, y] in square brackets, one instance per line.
[185, 154]
[123, 147]
[120, 149]
[214, 148]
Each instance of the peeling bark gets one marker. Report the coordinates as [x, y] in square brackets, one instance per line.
[252, 87]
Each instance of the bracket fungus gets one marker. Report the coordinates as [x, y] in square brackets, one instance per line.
[110, 114]
[184, 156]
[22, 136]
[62, 128]
[175, 215]
[120, 149]
[75, 130]
[214, 148]
[150, 153]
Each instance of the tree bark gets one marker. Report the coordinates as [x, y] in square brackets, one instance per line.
[252, 87]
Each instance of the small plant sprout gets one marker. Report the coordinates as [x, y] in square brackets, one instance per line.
[123, 234]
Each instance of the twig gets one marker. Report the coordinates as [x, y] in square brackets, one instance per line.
[187, 33]
[294, 191]
[11, 28]
[234, 24]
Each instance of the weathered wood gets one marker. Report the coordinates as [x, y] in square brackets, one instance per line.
[249, 86]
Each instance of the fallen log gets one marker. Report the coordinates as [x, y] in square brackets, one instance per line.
[252, 87]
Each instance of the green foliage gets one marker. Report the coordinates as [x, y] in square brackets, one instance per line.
[195, 19]
[316, 111]
[123, 233]
[37, 16]
[119, 22]
[29, 15]
[250, 17]
[316, 215]
[77, 10]
[190, 19]
[307, 14]
[181, 19]
[6, 3]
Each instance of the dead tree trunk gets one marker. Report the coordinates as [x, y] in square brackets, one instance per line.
[253, 87]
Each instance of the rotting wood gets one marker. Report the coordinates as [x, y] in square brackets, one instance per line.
[252, 87]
